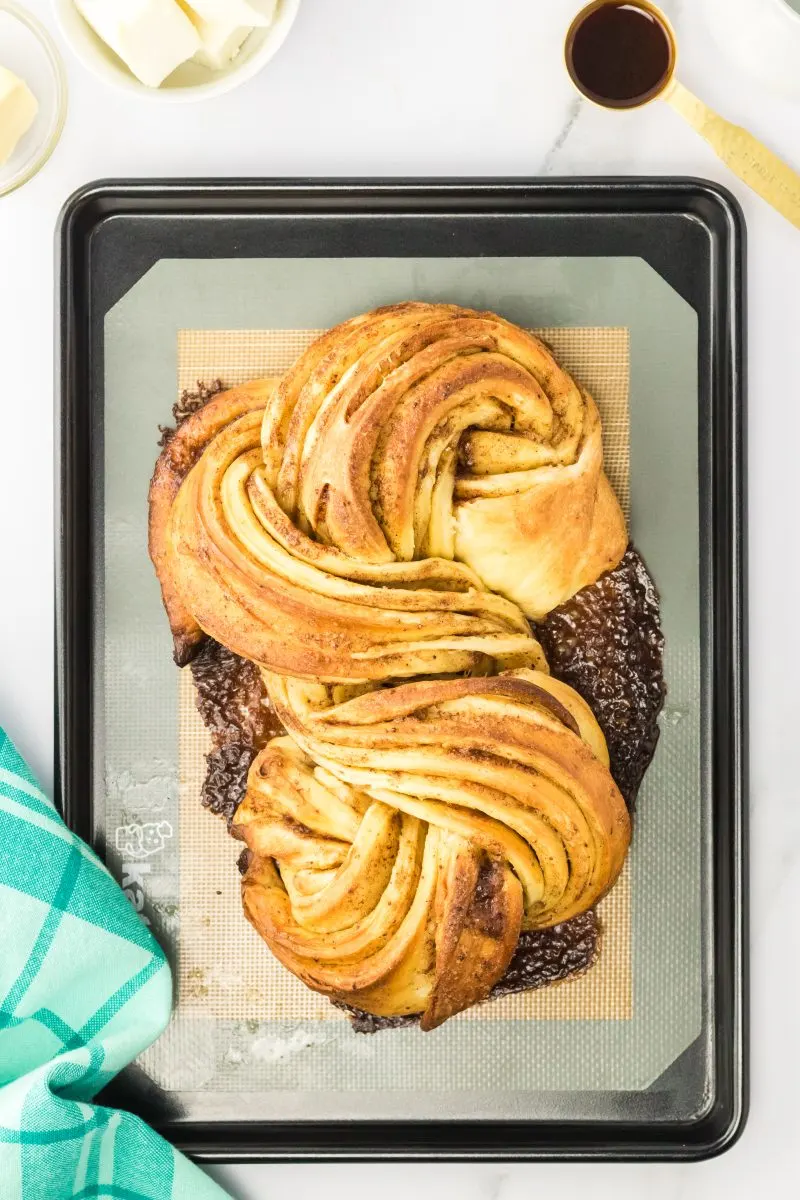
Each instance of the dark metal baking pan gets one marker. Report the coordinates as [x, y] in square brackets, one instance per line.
[690, 232]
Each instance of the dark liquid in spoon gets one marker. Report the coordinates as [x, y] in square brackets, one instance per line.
[619, 55]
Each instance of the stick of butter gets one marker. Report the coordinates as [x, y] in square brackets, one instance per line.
[18, 109]
[152, 37]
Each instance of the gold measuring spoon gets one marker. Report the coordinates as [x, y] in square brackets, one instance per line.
[623, 55]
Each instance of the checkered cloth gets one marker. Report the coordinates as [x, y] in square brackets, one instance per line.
[83, 989]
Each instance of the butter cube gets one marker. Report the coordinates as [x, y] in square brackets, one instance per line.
[152, 37]
[221, 44]
[223, 26]
[18, 109]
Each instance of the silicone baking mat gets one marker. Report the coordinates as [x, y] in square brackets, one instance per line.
[247, 1040]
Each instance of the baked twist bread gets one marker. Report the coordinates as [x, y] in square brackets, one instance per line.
[348, 530]
[402, 839]
[426, 430]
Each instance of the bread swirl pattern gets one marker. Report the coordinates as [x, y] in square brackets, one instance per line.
[373, 532]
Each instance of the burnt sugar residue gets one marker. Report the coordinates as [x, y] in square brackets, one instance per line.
[606, 643]
[237, 712]
[188, 403]
[619, 54]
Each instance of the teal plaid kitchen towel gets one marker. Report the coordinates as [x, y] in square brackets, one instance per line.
[83, 989]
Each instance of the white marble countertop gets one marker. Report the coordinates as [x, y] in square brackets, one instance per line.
[452, 87]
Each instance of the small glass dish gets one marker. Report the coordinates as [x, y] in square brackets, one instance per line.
[28, 50]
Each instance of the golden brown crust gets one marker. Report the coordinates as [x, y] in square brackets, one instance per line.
[557, 534]
[438, 791]
[177, 458]
[478, 913]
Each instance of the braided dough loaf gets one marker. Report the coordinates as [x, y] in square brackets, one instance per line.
[374, 531]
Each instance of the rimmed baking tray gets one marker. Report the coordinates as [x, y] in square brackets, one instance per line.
[145, 264]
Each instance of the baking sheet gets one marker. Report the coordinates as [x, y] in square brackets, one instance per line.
[660, 260]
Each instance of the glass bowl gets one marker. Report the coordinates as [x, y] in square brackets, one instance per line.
[27, 49]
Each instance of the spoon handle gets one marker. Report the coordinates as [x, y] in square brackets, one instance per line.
[748, 158]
